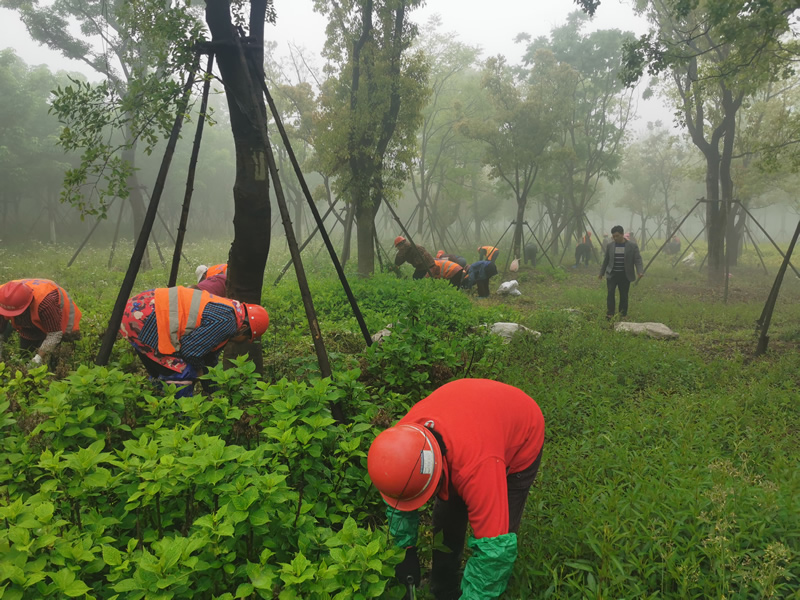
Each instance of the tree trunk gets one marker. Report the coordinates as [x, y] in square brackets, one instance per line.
[251, 221]
[365, 216]
[516, 244]
[348, 232]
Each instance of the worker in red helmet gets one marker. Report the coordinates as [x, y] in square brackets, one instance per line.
[42, 313]
[417, 256]
[476, 445]
[178, 332]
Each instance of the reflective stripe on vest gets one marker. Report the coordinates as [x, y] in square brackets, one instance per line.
[448, 268]
[491, 251]
[179, 311]
[41, 288]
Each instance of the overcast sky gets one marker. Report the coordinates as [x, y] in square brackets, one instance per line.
[491, 25]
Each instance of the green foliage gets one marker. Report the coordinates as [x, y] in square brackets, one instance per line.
[115, 491]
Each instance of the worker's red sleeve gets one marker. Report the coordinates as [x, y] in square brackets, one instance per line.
[485, 493]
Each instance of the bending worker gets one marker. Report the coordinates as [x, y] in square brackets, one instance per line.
[42, 313]
[476, 444]
[203, 271]
[488, 253]
[417, 257]
[450, 270]
[178, 332]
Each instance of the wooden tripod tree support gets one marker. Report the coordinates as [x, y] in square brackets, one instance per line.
[766, 315]
[147, 226]
[187, 196]
[304, 244]
[295, 254]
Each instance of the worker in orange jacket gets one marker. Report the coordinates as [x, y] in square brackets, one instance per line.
[202, 272]
[475, 445]
[41, 312]
[449, 270]
[178, 332]
[488, 253]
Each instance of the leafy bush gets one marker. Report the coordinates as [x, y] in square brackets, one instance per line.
[118, 492]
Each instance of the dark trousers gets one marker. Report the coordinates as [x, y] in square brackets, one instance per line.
[483, 288]
[450, 517]
[617, 280]
[456, 279]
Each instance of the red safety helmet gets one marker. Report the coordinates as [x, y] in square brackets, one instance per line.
[258, 319]
[405, 464]
[440, 254]
[15, 298]
[398, 239]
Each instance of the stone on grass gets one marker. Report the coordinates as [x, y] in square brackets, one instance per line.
[507, 330]
[377, 338]
[656, 330]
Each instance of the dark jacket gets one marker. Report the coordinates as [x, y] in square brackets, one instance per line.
[632, 259]
[421, 260]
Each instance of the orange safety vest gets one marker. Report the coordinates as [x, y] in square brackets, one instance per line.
[179, 310]
[70, 313]
[216, 270]
[491, 252]
[447, 268]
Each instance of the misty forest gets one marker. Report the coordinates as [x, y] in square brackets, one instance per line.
[226, 269]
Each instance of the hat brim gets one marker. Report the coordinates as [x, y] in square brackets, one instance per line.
[14, 313]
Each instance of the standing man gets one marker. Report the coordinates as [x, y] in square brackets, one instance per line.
[417, 257]
[178, 332]
[476, 444]
[42, 313]
[619, 261]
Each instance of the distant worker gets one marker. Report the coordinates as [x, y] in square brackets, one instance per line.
[459, 260]
[42, 313]
[450, 270]
[529, 252]
[216, 284]
[202, 272]
[621, 262]
[673, 246]
[178, 332]
[476, 445]
[479, 273]
[582, 254]
[488, 253]
[418, 257]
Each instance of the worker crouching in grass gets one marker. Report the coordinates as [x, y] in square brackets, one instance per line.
[476, 445]
[417, 256]
[447, 269]
[42, 313]
[179, 332]
[479, 273]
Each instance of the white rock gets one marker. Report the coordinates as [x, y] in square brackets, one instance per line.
[507, 330]
[377, 338]
[656, 330]
[509, 287]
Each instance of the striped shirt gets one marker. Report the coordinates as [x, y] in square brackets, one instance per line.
[49, 315]
[619, 258]
[218, 325]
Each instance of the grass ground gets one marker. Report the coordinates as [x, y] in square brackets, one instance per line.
[671, 466]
